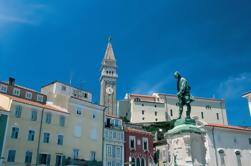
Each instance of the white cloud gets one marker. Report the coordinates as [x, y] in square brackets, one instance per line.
[234, 86]
[153, 80]
[12, 12]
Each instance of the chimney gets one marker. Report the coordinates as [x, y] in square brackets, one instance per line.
[11, 81]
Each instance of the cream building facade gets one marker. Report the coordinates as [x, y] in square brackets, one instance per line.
[32, 132]
[138, 108]
[84, 132]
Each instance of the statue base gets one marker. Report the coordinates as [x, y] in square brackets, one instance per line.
[186, 142]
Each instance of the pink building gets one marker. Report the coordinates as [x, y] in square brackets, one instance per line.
[138, 147]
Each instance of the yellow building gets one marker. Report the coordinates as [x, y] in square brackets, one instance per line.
[32, 132]
[84, 130]
[63, 128]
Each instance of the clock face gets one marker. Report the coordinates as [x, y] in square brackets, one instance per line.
[109, 90]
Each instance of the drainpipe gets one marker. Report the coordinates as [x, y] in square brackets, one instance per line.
[103, 135]
[214, 145]
[39, 136]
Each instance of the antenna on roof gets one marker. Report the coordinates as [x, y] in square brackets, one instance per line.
[71, 77]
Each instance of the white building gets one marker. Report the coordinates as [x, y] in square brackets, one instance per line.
[248, 96]
[222, 145]
[113, 142]
[228, 145]
[138, 108]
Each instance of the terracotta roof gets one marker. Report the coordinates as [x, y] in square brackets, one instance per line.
[140, 95]
[22, 87]
[129, 129]
[25, 101]
[229, 127]
[246, 94]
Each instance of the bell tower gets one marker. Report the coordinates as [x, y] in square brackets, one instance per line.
[108, 78]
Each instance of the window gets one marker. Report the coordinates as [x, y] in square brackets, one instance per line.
[208, 107]
[48, 118]
[137, 99]
[34, 115]
[109, 150]
[28, 157]
[132, 142]
[40, 98]
[155, 106]
[28, 95]
[78, 111]
[63, 88]
[156, 113]
[31, 135]
[143, 112]
[217, 115]
[75, 153]
[145, 144]
[3, 88]
[16, 92]
[46, 138]
[18, 111]
[116, 123]
[60, 139]
[44, 159]
[156, 119]
[14, 133]
[221, 153]
[142, 105]
[143, 162]
[249, 140]
[133, 162]
[62, 121]
[138, 162]
[93, 116]
[238, 156]
[60, 160]
[143, 118]
[114, 135]
[11, 156]
[92, 155]
[113, 151]
[85, 95]
[171, 112]
[202, 115]
[118, 152]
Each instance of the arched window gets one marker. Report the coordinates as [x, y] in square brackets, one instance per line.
[221, 154]
[143, 163]
[238, 156]
[133, 162]
[138, 162]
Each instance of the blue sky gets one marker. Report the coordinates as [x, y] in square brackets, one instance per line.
[208, 41]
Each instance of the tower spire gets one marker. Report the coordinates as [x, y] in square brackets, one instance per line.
[109, 54]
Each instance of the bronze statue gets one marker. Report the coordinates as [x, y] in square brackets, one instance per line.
[183, 95]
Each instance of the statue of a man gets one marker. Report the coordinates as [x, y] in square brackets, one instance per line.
[183, 94]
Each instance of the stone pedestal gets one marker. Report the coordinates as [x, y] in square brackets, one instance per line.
[186, 144]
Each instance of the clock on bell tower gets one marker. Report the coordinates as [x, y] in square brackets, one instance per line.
[108, 78]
